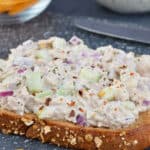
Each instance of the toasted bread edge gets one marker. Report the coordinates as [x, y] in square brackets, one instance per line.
[69, 135]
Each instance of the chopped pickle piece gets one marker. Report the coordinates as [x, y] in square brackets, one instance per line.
[43, 94]
[129, 105]
[42, 54]
[66, 89]
[34, 82]
[89, 75]
[63, 92]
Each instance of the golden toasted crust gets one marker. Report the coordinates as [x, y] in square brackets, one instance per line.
[135, 137]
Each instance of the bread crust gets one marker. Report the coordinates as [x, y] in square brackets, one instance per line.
[69, 135]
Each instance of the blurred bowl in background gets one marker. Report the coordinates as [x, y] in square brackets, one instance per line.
[126, 6]
[25, 15]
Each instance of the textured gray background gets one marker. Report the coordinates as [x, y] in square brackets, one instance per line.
[44, 26]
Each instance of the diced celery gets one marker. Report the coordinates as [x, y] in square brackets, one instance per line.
[89, 75]
[66, 89]
[42, 54]
[63, 92]
[43, 94]
[129, 105]
[34, 82]
[107, 93]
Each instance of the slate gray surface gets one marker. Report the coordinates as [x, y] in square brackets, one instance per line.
[42, 27]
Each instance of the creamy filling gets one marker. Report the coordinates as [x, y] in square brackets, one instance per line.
[66, 80]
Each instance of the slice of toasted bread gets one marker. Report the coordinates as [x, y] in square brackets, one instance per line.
[135, 137]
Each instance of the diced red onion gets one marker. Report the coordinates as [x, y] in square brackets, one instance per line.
[81, 120]
[22, 70]
[75, 40]
[146, 102]
[6, 93]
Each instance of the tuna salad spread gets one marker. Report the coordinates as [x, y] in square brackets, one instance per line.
[65, 80]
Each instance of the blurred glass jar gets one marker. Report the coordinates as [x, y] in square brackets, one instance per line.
[26, 14]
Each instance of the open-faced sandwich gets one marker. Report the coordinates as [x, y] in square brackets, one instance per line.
[70, 95]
